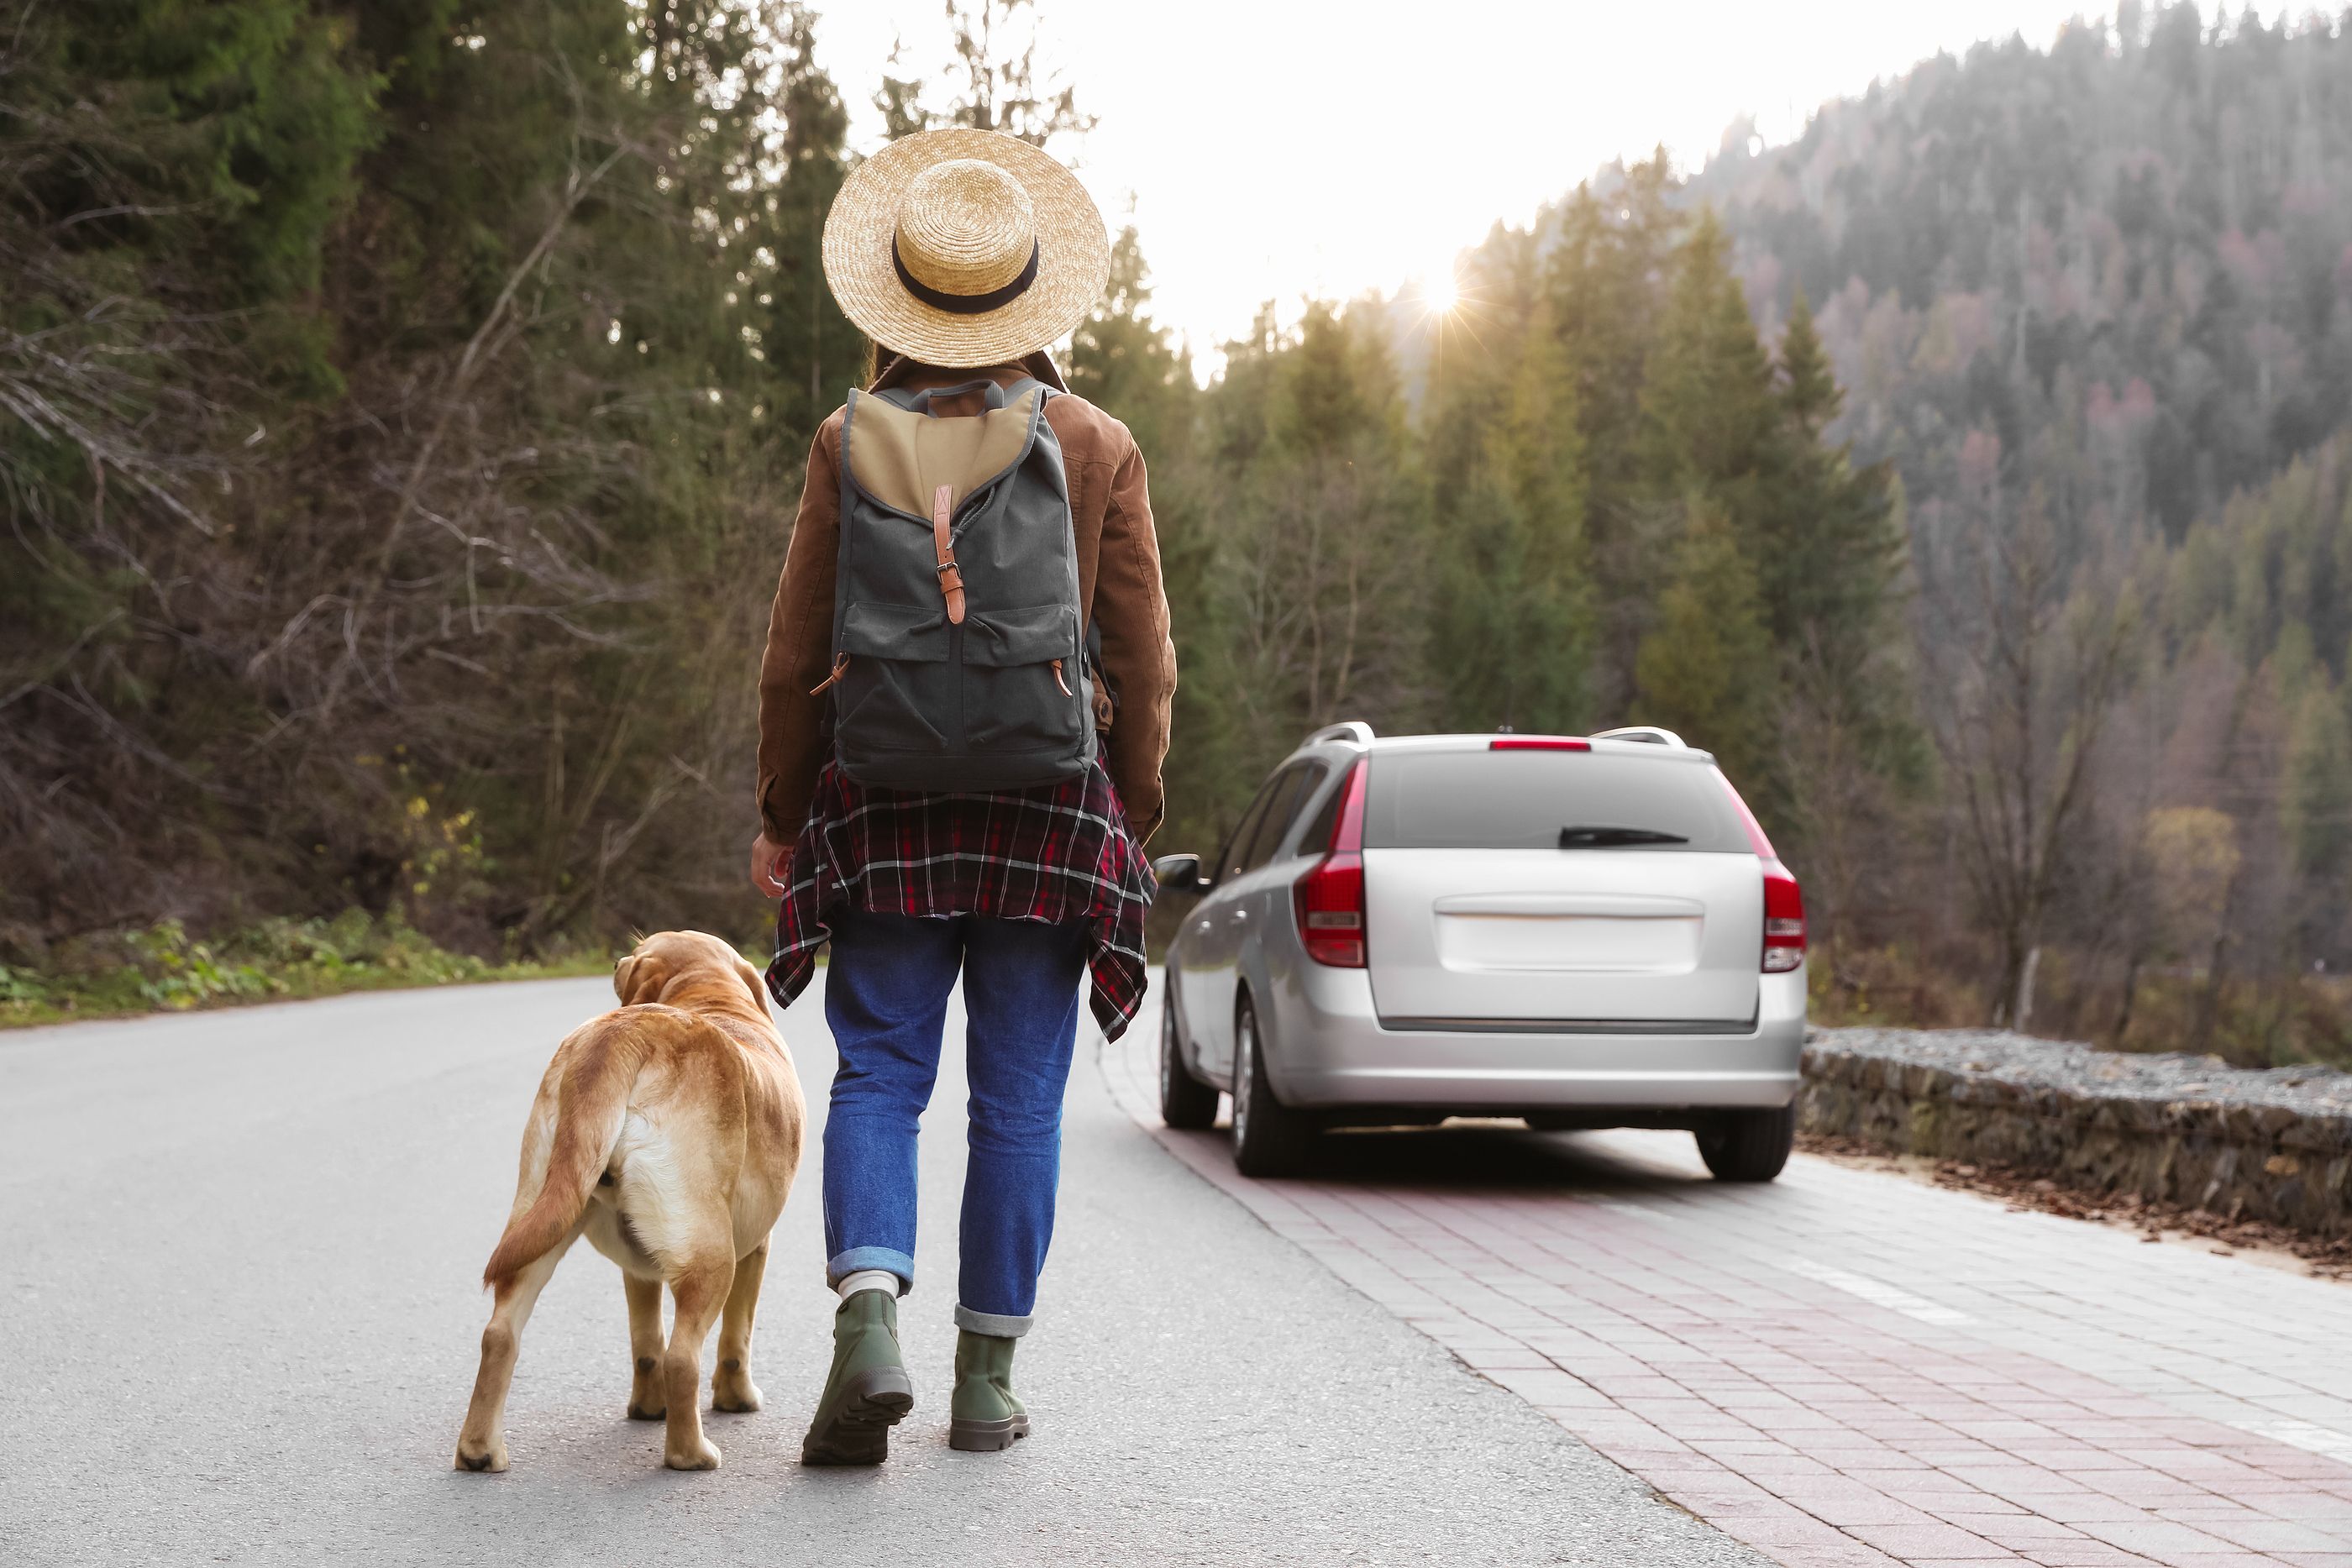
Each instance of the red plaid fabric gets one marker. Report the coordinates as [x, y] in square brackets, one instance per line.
[1058, 853]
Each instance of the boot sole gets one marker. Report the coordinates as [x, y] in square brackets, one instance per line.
[859, 1434]
[987, 1437]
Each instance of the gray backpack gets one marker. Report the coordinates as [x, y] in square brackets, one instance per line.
[959, 651]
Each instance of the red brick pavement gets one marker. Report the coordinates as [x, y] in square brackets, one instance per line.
[1847, 1369]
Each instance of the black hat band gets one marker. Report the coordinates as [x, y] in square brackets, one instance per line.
[965, 304]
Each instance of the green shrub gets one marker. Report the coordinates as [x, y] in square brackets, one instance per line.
[163, 968]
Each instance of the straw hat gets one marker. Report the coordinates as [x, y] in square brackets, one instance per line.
[963, 248]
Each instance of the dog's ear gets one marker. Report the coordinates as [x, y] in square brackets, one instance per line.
[620, 977]
[752, 980]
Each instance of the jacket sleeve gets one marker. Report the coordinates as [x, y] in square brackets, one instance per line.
[1130, 606]
[799, 634]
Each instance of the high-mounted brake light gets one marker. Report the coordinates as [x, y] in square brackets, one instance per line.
[1539, 743]
[1329, 901]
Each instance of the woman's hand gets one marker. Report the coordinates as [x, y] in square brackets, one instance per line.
[768, 860]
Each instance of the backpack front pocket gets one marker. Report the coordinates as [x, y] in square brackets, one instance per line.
[1023, 686]
[898, 691]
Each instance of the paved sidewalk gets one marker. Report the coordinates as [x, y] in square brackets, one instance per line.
[1847, 1369]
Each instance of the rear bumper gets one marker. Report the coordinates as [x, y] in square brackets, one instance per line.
[1329, 1050]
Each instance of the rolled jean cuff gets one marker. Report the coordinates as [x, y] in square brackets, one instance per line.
[999, 1325]
[842, 1265]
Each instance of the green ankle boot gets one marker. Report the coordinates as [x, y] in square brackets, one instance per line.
[869, 1391]
[983, 1414]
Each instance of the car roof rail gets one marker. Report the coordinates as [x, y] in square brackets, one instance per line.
[1647, 734]
[1354, 731]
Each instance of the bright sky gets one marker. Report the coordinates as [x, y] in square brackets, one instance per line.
[1275, 149]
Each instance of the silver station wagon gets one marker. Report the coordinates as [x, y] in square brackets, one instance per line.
[1584, 933]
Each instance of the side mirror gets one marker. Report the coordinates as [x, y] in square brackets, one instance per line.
[1179, 873]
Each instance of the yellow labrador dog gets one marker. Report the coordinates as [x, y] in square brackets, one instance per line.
[668, 1132]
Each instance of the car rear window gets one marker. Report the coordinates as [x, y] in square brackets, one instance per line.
[1521, 801]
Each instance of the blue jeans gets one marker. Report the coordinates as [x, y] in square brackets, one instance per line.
[885, 998]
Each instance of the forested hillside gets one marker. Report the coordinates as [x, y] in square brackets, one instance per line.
[395, 400]
[2125, 257]
[402, 408]
[2080, 299]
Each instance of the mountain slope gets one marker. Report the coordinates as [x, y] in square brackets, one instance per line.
[2127, 257]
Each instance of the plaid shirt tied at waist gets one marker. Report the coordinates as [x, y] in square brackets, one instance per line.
[1058, 853]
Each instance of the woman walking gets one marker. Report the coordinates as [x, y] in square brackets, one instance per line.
[963, 709]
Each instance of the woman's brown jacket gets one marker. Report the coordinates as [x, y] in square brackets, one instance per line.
[1118, 590]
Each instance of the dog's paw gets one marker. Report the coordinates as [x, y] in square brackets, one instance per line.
[707, 1458]
[642, 1412]
[491, 1459]
[737, 1396]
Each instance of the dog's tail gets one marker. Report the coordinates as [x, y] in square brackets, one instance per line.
[590, 1101]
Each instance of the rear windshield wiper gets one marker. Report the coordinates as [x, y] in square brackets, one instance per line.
[1584, 838]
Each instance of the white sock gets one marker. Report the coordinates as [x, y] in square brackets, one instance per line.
[867, 1279]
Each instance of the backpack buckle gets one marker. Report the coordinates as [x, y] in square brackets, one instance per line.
[943, 545]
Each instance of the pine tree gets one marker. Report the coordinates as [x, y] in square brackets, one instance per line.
[1826, 550]
[2318, 787]
[1809, 395]
[1122, 361]
[1334, 388]
[1706, 398]
[1707, 669]
[1325, 534]
[815, 352]
[1601, 284]
[1505, 641]
[1510, 638]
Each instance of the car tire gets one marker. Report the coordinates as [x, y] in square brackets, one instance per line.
[1185, 1102]
[1748, 1145]
[1270, 1138]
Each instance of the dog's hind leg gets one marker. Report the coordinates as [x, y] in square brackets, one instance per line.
[698, 1293]
[731, 1387]
[646, 1399]
[482, 1445]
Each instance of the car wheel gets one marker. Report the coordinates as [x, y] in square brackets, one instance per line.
[1185, 1102]
[1269, 1137]
[1748, 1145]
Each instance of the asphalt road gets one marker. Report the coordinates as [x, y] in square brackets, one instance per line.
[238, 1265]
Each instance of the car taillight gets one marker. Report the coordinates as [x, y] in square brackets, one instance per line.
[1784, 920]
[1539, 743]
[1784, 902]
[1329, 900]
[1331, 903]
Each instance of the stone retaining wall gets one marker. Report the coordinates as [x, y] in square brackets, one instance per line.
[2273, 1145]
